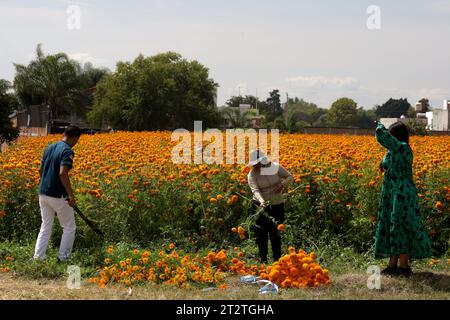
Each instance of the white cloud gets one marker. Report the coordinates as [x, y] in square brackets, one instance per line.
[323, 82]
[83, 58]
[435, 95]
[434, 92]
[322, 90]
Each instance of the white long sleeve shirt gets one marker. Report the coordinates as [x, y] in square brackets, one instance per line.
[267, 187]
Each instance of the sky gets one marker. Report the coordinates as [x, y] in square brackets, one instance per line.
[316, 50]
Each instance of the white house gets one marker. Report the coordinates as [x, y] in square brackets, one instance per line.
[387, 122]
[439, 119]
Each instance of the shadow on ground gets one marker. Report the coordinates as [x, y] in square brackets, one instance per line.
[437, 281]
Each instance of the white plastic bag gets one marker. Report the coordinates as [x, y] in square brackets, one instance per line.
[269, 287]
[249, 279]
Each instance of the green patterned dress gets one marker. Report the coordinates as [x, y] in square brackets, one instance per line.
[400, 229]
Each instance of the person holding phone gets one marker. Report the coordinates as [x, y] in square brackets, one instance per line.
[400, 233]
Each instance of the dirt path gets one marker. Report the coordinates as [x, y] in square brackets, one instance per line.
[423, 285]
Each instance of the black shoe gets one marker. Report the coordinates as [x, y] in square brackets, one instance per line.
[405, 272]
[390, 271]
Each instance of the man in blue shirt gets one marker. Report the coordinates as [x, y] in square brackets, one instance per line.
[56, 194]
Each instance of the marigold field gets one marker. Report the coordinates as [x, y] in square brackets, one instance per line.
[128, 184]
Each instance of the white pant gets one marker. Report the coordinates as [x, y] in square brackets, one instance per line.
[49, 206]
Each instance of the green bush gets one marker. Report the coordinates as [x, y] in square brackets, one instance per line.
[342, 209]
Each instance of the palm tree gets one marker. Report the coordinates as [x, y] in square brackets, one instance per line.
[49, 79]
[236, 118]
[290, 120]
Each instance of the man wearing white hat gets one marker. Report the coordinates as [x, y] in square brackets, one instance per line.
[267, 188]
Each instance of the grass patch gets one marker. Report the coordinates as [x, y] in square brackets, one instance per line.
[30, 279]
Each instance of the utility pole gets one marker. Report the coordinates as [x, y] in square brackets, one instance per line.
[256, 106]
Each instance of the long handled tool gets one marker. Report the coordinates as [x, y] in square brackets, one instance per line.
[90, 223]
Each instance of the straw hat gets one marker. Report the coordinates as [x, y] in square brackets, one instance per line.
[257, 156]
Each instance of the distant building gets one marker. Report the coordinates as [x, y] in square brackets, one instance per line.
[429, 116]
[252, 117]
[420, 108]
[446, 105]
[255, 121]
[439, 119]
[35, 120]
[32, 121]
[244, 107]
[436, 119]
[387, 122]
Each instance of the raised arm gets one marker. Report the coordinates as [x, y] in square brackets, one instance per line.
[386, 139]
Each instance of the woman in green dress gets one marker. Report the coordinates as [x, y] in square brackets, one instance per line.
[400, 233]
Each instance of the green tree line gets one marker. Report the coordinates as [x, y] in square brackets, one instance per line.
[164, 92]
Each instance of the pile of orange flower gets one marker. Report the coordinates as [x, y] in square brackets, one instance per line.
[297, 270]
[294, 270]
[173, 268]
